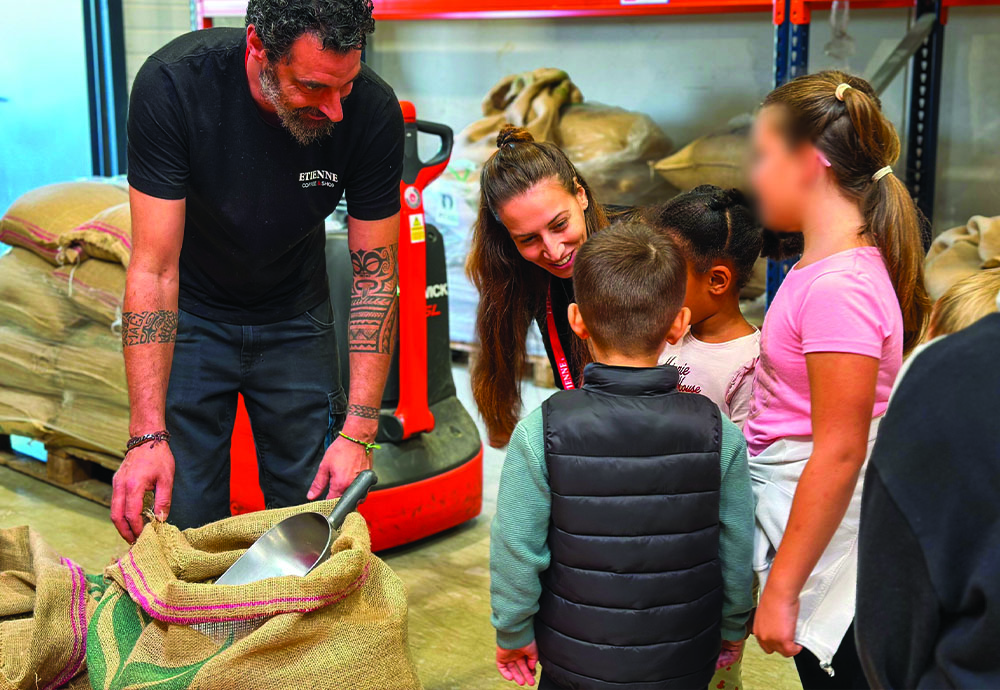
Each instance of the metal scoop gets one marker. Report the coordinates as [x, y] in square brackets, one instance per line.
[298, 543]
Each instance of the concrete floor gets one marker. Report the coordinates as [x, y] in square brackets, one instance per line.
[447, 575]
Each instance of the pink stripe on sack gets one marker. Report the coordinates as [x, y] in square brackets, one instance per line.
[44, 234]
[153, 609]
[107, 230]
[22, 240]
[78, 615]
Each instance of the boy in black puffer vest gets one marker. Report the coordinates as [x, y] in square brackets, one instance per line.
[621, 547]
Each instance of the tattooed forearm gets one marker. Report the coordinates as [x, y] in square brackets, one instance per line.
[146, 327]
[363, 411]
[374, 304]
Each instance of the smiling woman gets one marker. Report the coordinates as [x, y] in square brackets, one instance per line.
[535, 212]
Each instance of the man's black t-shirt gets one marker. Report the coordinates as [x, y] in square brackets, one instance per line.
[256, 199]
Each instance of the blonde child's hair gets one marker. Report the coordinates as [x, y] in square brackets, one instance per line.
[965, 302]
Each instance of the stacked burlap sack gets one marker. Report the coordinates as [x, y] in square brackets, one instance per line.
[612, 148]
[155, 620]
[719, 158]
[960, 252]
[45, 603]
[62, 378]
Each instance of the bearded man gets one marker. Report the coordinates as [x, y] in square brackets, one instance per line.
[240, 144]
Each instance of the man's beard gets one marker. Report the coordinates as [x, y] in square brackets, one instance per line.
[297, 121]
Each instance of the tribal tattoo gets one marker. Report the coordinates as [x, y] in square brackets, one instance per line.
[363, 411]
[374, 306]
[148, 327]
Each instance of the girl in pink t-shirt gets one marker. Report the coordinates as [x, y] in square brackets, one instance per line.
[833, 342]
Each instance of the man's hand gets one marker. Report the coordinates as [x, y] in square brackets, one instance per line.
[774, 622]
[518, 665]
[342, 462]
[146, 468]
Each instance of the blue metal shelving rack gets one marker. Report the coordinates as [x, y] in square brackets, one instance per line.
[791, 59]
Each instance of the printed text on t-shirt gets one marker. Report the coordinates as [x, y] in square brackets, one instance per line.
[682, 369]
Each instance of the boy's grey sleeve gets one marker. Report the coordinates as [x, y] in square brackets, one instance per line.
[519, 550]
[736, 522]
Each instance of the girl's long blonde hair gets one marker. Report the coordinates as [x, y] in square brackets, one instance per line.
[965, 302]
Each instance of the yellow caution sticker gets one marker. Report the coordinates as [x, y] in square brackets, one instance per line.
[417, 233]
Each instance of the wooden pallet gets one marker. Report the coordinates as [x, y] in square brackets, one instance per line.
[82, 472]
[541, 370]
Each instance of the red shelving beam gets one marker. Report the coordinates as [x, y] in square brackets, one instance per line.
[409, 10]
[403, 10]
[801, 10]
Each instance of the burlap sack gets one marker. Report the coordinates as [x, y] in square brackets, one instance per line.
[67, 419]
[45, 604]
[958, 253]
[613, 148]
[108, 236]
[38, 218]
[718, 159]
[343, 626]
[531, 100]
[88, 362]
[31, 300]
[96, 288]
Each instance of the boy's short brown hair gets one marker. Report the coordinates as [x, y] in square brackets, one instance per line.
[629, 283]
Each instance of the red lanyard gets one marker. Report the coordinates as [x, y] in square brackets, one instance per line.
[557, 352]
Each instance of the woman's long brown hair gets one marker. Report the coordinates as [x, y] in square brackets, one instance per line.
[511, 290]
[859, 140]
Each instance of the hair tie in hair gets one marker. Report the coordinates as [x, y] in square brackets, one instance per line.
[882, 172]
[841, 89]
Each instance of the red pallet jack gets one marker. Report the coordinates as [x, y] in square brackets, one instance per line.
[430, 464]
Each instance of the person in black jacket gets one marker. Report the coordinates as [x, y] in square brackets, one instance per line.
[928, 604]
[620, 554]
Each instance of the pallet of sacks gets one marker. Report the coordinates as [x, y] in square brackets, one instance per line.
[62, 377]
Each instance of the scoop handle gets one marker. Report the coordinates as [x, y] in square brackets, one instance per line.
[353, 496]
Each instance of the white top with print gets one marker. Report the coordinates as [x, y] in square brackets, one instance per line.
[722, 372]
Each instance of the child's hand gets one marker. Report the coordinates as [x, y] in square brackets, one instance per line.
[730, 654]
[775, 621]
[518, 665]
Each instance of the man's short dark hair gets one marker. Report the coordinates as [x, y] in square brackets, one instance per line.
[341, 25]
[629, 282]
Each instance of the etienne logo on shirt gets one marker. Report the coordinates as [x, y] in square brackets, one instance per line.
[318, 178]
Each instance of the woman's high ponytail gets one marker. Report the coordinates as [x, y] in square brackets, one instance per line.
[842, 116]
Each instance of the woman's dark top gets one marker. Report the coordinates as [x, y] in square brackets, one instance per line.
[562, 296]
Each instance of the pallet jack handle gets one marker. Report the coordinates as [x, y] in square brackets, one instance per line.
[413, 410]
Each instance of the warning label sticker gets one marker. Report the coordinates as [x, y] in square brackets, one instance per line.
[417, 233]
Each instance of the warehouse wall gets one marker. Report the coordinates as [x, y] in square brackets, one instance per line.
[968, 180]
[691, 74]
[148, 25]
